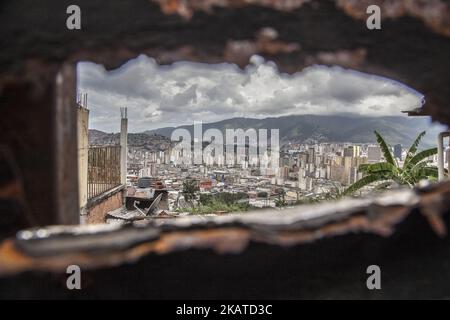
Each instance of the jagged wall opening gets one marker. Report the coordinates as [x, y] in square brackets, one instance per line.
[37, 86]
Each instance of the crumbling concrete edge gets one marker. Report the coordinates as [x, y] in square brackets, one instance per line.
[93, 247]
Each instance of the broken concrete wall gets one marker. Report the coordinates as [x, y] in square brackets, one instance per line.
[98, 207]
[411, 48]
[333, 268]
[183, 261]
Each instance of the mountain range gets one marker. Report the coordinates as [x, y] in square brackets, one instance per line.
[298, 129]
[330, 128]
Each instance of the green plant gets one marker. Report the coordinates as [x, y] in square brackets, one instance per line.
[262, 194]
[415, 167]
[222, 201]
[205, 198]
[216, 206]
[280, 201]
[225, 197]
[190, 189]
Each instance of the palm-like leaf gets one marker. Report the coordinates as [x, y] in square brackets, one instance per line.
[414, 171]
[427, 172]
[420, 156]
[364, 182]
[377, 167]
[363, 168]
[385, 149]
[415, 168]
[413, 149]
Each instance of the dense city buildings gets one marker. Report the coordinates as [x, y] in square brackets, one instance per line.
[306, 172]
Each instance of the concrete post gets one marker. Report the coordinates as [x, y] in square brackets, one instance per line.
[123, 145]
[441, 137]
[64, 193]
[83, 150]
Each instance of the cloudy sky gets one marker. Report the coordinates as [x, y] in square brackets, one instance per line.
[184, 92]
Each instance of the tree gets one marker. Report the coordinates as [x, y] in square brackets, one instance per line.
[415, 167]
[205, 199]
[280, 201]
[190, 189]
[335, 194]
[262, 194]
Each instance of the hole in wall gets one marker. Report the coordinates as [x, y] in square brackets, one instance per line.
[326, 118]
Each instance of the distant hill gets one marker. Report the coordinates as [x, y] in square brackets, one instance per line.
[151, 142]
[330, 128]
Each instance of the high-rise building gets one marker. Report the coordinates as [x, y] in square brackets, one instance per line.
[374, 154]
[309, 184]
[311, 155]
[284, 172]
[337, 173]
[352, 151]
[398, 151]
[149, 171]
[357, 151]
[348, 152]
[348, 165]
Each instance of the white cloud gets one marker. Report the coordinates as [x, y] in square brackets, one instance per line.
[159, 96]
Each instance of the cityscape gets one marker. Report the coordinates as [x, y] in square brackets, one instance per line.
[325, 117]
[307, 173]
[352, 144]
